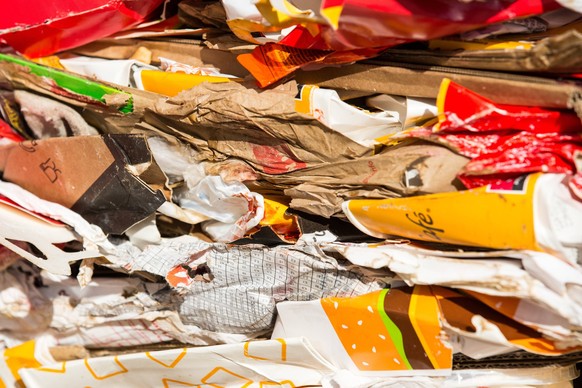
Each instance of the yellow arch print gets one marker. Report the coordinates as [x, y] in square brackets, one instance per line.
[123, 370]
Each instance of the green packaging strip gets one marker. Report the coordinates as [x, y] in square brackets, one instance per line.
[78, 85]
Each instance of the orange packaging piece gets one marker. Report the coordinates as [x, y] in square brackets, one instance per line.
[491, 216]
[276, 218]
[16, 358]
[51, 61]
[170, 84]
[272, 62]
[390, 330]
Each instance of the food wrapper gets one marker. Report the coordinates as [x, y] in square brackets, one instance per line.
[170, 84]
[417, 20]
[550, 324]
[15, 358]
[282, 362]
[234, 209]
[283, 13]
[278, 220]
[108, 108]
[273, 62]
[226, 209]
[389, 332]
[245, 20]
[535, 212]
[339, 32]
[117, 71]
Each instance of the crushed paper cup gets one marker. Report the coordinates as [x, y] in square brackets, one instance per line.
[535, 212]
[360, 126]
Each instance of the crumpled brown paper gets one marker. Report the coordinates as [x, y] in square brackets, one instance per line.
[260, 127]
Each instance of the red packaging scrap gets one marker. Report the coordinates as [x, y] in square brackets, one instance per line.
[46, 27]
[503, 141]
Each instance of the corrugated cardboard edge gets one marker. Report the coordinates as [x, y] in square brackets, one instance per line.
[424, 81]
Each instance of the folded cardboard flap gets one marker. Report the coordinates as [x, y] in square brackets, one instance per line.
[100, 177]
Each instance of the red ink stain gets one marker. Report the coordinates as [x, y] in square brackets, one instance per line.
[277, 159]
